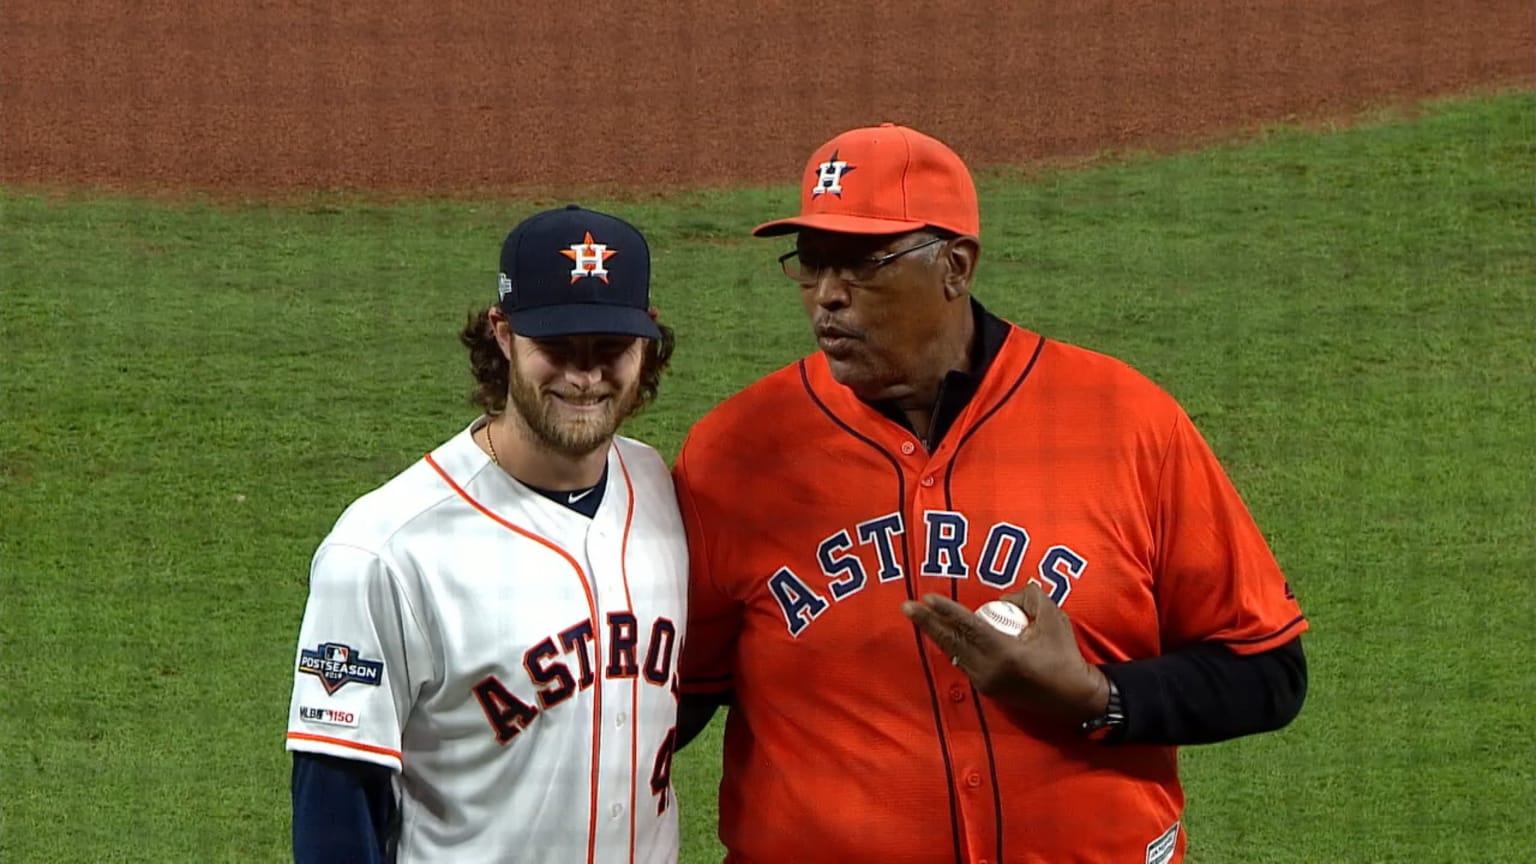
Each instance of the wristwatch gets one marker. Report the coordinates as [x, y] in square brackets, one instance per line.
[1106, 724]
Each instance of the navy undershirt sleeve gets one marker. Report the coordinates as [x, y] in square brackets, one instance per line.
[343, 811]
[1207, 693]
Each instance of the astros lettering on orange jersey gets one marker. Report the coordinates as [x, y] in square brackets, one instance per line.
[811, 517]
[946, 535]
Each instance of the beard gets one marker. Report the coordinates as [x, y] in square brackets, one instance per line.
[560, 429]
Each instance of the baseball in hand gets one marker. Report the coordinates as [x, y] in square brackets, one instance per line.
[1004, 616]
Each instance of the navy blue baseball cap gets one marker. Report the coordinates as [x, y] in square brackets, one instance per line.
[575, 271]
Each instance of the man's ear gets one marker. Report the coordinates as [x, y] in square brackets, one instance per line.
[961, 255]
[502, 329]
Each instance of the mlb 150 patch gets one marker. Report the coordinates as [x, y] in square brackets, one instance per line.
[330, 716]
[337, 665]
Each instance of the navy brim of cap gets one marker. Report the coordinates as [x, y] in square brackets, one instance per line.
[583, 319]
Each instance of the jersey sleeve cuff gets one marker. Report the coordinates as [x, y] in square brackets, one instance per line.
[1259, 644]
[309, 742]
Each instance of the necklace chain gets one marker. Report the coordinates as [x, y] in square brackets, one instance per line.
[491, 443]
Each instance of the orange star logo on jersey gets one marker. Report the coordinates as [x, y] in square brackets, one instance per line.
[589, 258]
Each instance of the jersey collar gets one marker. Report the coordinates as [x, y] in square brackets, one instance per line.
[958, 387]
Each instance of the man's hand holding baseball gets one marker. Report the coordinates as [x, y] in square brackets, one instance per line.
[1041, 669]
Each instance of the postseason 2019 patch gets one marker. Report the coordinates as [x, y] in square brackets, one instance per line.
[337, 665]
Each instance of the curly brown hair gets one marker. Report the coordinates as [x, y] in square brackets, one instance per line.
[492, 376]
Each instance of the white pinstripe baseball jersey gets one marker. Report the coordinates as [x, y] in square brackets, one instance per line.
[512, 660]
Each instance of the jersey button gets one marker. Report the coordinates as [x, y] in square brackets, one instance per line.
[928, 481]
[617, 811]
[973, 780]
[956, 693]
[619, 720]
[907, 447]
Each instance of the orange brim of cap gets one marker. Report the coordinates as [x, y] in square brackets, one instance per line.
[837, 222]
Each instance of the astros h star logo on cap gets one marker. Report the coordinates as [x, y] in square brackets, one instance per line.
[830, 176]
[589, 258]
[885, 179]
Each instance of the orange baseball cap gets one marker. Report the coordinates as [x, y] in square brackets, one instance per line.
[884, 179]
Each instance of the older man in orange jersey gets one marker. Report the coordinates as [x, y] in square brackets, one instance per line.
[848, 512]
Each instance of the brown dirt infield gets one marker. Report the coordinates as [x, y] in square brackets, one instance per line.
[474, 96]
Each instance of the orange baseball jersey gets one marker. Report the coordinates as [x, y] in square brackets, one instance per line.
[811, 517]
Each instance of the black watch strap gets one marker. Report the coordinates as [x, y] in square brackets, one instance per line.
[1112, 719]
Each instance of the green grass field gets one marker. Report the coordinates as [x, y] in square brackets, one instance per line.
[193, 391]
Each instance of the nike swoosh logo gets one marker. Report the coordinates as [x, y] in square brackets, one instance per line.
[577, 496]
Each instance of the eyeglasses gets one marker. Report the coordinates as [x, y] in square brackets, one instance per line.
[859, 270]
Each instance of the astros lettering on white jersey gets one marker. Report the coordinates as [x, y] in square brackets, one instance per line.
[512, 660]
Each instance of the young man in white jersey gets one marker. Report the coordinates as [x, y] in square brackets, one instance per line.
[486, 665]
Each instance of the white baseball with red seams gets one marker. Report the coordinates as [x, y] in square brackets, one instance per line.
[1004, 616]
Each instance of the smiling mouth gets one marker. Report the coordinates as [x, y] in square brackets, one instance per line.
[581, 403]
